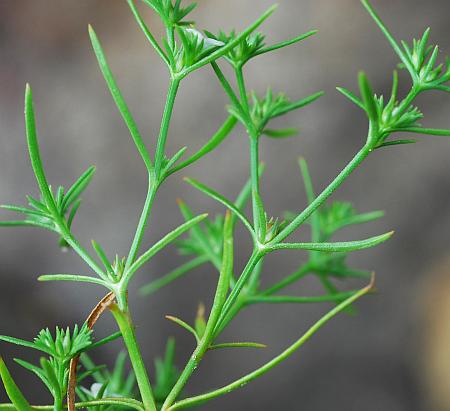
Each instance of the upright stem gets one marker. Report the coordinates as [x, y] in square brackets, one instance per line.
[154, 180]
[164, 131]
[126, 327]
[151, 193]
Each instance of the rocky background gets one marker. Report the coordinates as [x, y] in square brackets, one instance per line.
[377, 360]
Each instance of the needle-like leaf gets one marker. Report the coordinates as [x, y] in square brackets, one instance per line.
[13, 391]
[345, 246]
[221, 199]
[119, 100]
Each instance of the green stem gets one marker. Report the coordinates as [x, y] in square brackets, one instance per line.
[407, 101]
[151, 193]
[242, 88]
[254, 171]
[126, 327]
[154, 180]
[323, 196]
[164, 131]
[246, 273]
[199, 399]
[79, 249]
[216, 309]
[231, 314]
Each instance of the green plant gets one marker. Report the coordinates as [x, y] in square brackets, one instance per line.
[184, 49]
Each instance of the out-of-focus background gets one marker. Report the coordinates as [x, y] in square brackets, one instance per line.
[394, 355]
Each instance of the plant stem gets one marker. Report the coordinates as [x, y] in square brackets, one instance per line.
[199, 399]
[219, 299]
[126, 327]
[79, 249]
[151, 193]
[164, 131]
[254, 165]
[246, 273]
[323, 196]
[154, 180]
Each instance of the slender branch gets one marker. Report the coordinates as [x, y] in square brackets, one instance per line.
[216, 309]
[246, 273]
[150, 198]
[323, 196]
[199, 399]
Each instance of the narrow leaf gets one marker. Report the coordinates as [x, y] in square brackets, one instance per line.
[73, 278]
[221, 199]
[352, 97]
[389, 37]
[33, 148]
[298, 104]
[335, 247]
[103, 257]
[35, 370]
[78, 187]
[173, 235]
[282, 299]
[173, 275]
[147, 32]
[13, 391]
[397, 143]
[283, 133]
[119, 100]
[237, 345]
[183, 324]
[104, 341]
[23, 343]
[368, 98]
[287, 43]
[430, 131]
[214, 142]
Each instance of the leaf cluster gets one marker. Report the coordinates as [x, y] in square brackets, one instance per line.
[42, 214]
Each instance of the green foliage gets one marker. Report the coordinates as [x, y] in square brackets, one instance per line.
[116, 383]
[61, 348]
[40, 212]
[184, 49]
[166, 373]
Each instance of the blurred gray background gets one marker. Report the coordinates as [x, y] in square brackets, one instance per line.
[377, 360]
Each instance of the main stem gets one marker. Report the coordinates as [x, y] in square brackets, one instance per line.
[126, 327]
[154, 179]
